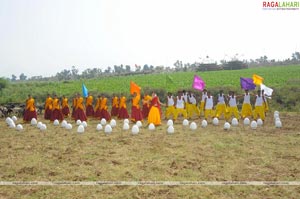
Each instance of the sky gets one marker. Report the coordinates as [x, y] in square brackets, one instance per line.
[43, 37]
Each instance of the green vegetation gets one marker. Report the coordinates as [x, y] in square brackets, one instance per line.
[279, 78]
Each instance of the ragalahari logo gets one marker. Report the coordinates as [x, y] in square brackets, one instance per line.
[281, 5]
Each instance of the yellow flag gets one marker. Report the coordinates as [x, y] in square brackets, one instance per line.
[257, 79]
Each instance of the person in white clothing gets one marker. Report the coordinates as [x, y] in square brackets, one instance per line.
[232, 106]
[180, 106]
[170, 110]
[208, 106]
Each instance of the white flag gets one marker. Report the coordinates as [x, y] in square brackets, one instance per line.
[268, 91]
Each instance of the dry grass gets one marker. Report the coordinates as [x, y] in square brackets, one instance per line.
[210, 154]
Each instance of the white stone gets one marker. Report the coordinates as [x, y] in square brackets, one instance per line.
[69, 126]
[14, 118]
[39, 125]
[215, 121]
[193, 126]
[151, 127]
[78, 122]
[185, 122]
[113, 123]
[125, 126]
[33, 122]
[107, 129]
[12, 125]
[139, 124]
[64, 124]
[56, 122]
[19, 127]
[253, 125]
[170, 130]
[170, 123]
[103, 121]
[204, 123]
[226, 126]
[99, 127]
[84, 124]
[278, 124]
[43, 127]
[135, 129]
[8, 120]
[259, 122]
[80, 129]
[246, 121]
[234, 122]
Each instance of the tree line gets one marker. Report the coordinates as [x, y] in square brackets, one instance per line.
[73, 73]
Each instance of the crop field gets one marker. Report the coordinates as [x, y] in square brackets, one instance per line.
[275, 77]
[206, 154]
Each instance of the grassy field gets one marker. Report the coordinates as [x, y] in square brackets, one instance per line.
[209, 154]
[275, 77]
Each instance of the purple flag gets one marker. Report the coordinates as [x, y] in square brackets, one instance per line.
[198, 83]
[247, 83]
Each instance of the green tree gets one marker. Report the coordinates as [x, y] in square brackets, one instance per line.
[13, 77]
[23, 77]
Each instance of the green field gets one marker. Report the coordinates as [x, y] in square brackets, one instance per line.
[280, 78]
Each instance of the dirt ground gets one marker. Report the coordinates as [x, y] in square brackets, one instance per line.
[206, 154]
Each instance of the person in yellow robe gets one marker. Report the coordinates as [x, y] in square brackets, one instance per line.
[123, 113]
[79, 109]
[104, 109]
[56, 111]
[97, 111]
[89, 106]
[136, 113]
[65, 106]
[115, 106]
[48, 107]
[30, 110]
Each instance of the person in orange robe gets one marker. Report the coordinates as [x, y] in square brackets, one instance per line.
[56, 111]
[74, 104]
[48, 108]
[65, 106]
[97, 111]
[155, 111]
[115, 106]
[89, 106]
[79, 110]
[30, 110]
[136, 113]
[123, 113]
[103, 109]
[146, 105]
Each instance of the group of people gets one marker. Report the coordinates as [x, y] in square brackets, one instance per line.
[184, 104]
